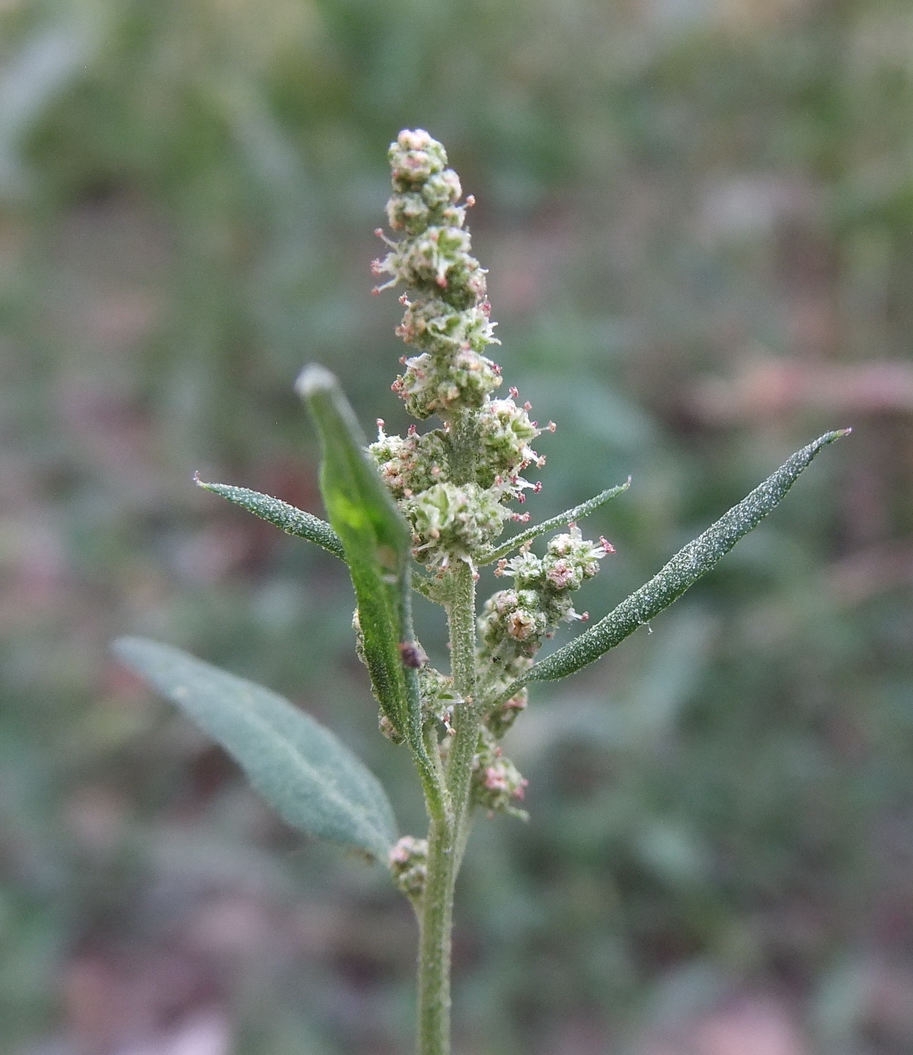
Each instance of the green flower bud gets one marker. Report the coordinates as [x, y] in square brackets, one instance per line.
[433, 386]
[409, 212]
[450, 521]
[526, 569]
[412, 463]
[571, 559]
[505, 431]
[414, 157]
[438, 695]
[436, 326]
[513, 623]
[409, 865]
[504, 716]
[497, 784]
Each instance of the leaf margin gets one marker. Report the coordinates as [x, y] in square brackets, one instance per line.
[677, 575]
[286, 517]
[372, 827]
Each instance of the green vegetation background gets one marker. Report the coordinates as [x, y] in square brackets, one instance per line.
[698, 218]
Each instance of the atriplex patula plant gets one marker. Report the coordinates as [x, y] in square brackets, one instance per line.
[423, 512]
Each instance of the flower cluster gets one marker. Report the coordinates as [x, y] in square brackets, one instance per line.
[515, 622]
[438, 696]
[454, 483]
[449, 321]
[497, 785]
[409, 865]
[512, 627]
[454, 501]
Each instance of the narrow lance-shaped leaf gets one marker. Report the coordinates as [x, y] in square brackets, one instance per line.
[313, 780]
[377, 545]
[286, 517]
[577, 512]
[685, 568]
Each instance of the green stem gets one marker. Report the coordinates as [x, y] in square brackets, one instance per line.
[467, 716]
[447, 834]
[436, 924]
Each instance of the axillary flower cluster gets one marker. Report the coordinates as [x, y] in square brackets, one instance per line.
[455, 483]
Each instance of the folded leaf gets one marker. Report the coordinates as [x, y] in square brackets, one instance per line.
[313, 780]
[377, 544]
[685, 568]
[286, 517]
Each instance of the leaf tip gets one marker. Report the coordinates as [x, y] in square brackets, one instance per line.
[835, 434]
[314, 378]
[120, 643]
[830, 437]
[124, 650]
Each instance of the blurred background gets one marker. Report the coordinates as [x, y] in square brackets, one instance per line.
[698, 219]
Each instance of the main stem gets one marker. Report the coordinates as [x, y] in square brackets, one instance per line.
[447, 832]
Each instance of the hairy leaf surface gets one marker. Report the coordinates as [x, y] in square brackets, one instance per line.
[287, 518]
[311, 778]
[377, 544]
[684, 569]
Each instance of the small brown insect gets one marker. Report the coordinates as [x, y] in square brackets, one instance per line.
[413, 654]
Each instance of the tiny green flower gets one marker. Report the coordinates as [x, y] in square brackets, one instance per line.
[409, 865]
[497, 784]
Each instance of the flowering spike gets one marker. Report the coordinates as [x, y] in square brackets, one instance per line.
[454, 501]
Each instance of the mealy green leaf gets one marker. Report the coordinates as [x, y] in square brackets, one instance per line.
[377, 544]
[286, 517]
[313, 780]
[685, 568]
[563, 519]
